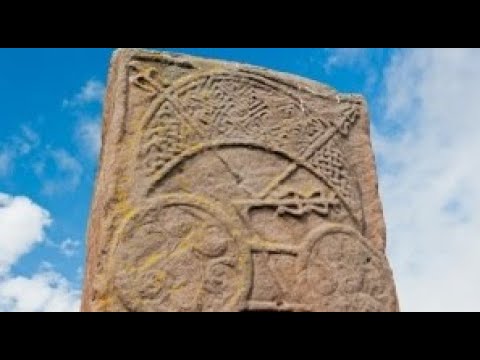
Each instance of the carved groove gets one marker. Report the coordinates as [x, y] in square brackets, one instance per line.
[237, 193]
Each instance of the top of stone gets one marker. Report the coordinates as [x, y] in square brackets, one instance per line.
[190, 61]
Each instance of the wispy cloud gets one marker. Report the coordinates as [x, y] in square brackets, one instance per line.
[6, 161]
[68, 173]
[88, 128]
[88, 133]
[27, 141]
[63, 176]
[80, 274]
[427, 148]
[38, 167]
[92, 91]
[69, 247]
[22, 226]
[342, 57]
[16, 147]
[360, 61]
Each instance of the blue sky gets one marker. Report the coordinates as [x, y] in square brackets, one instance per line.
[423, 105]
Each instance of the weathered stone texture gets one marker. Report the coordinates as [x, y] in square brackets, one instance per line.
[225, 187]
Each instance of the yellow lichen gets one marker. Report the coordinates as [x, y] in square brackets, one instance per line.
[104, 303]
[184, 246]
[160, 277]
[180, 285]
[151, 260]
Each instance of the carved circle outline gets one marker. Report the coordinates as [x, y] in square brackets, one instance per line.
[224, 214]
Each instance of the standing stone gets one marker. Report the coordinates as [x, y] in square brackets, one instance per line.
[226, 187]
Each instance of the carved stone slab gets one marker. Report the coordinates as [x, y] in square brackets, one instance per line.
[225, 187]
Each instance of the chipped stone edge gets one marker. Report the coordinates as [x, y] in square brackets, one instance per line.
[113, 114]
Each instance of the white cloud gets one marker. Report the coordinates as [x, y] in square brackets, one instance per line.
[30, 135]
[38, 167]
[26, 142]
[22, 225]
[92, 91]
[80, 274]
[357, 60]
[427, 150]
[342, 57]
[46, 291]
[65, 161]
[69, 173]
[16, 147]
[69, 247]
[88, 130]
[6, 159]
[89, 134]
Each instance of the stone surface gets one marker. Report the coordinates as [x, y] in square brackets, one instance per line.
[225, 187]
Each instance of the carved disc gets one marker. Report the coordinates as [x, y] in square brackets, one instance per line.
[189, 261]
[339, 271]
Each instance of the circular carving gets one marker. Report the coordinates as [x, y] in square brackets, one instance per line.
[340, 271]
[189, 261]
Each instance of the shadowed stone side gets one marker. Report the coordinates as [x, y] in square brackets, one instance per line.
[226, 187]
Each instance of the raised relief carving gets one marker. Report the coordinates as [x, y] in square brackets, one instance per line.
[203, 258]
[147, 78]
[246, 200]
[180, 254]
[295, 203]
